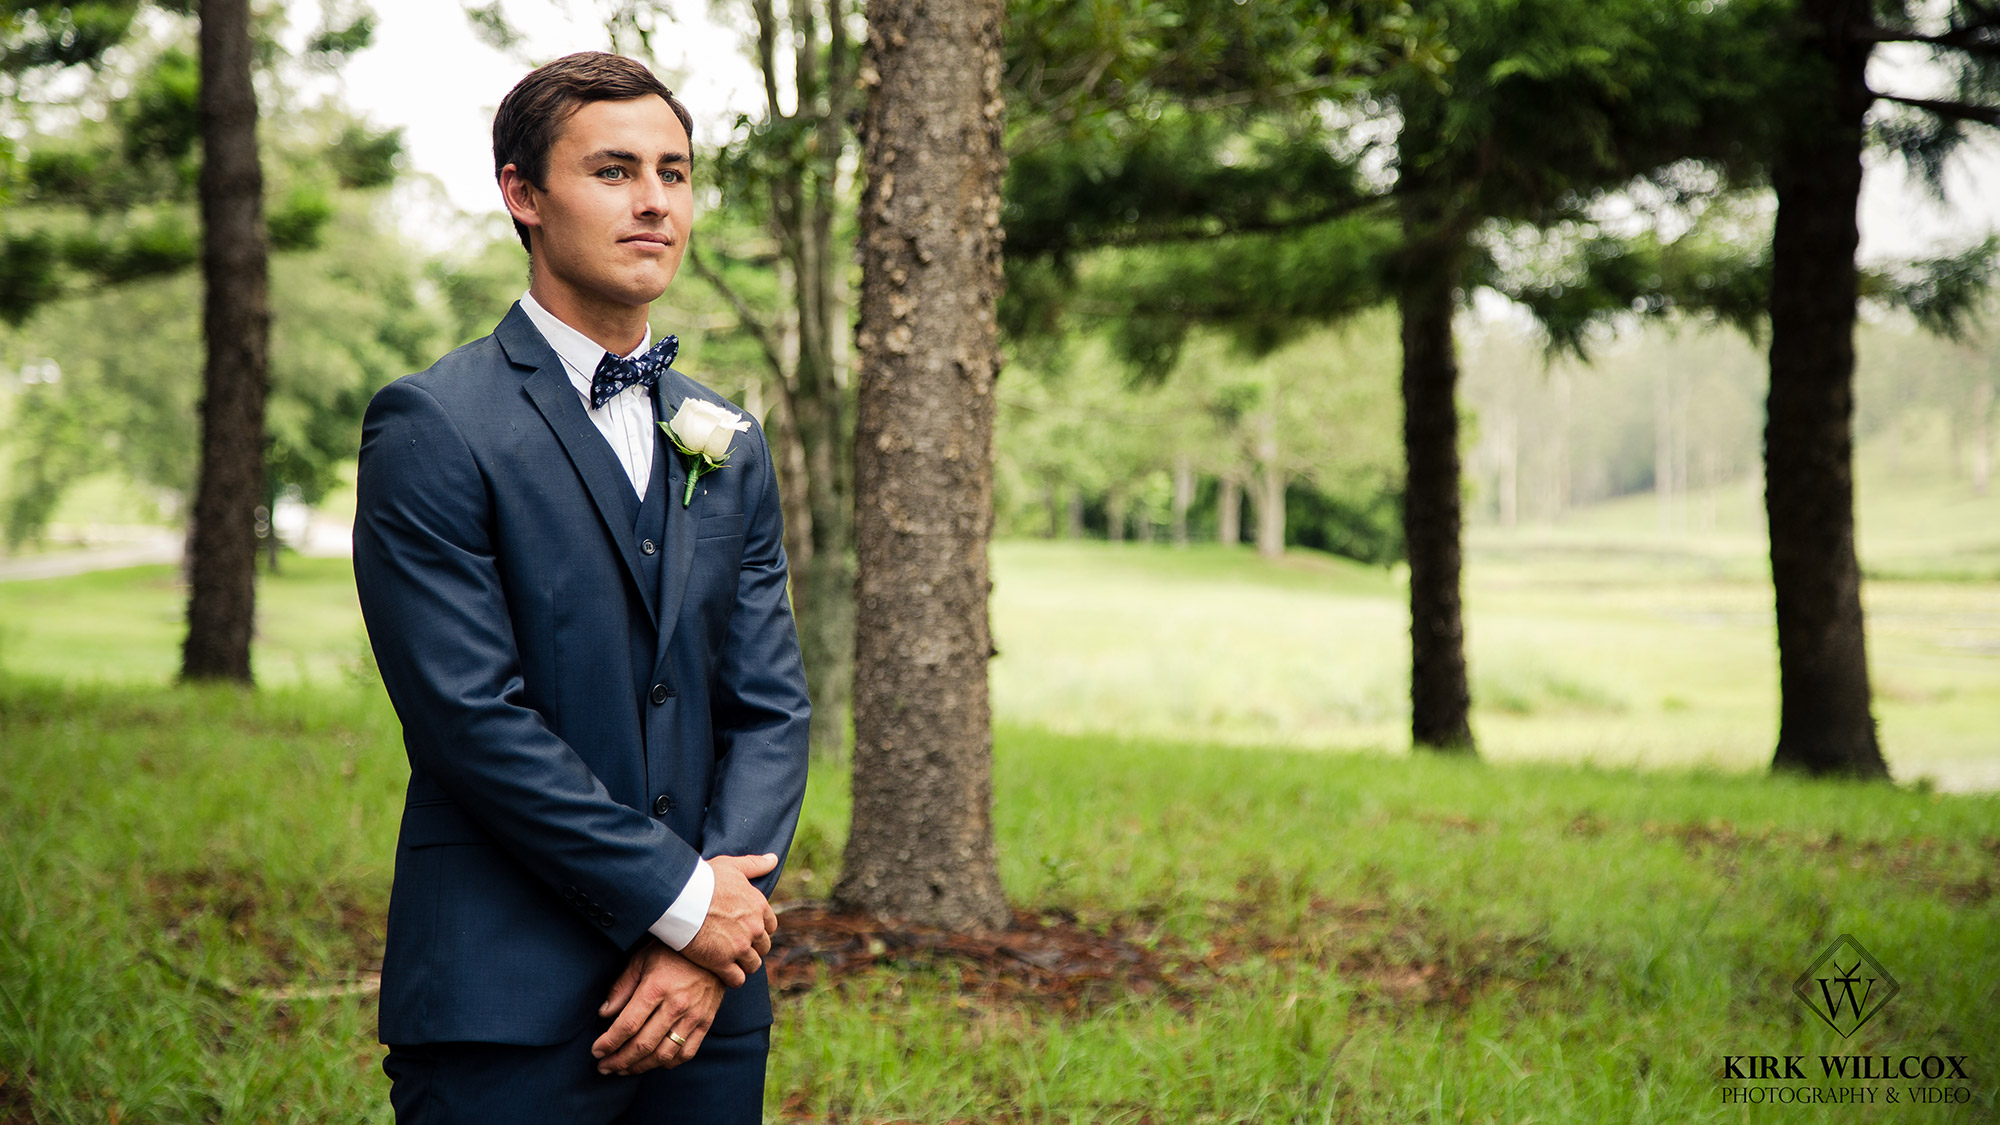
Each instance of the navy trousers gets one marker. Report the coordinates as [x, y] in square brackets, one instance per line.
[502, 1084]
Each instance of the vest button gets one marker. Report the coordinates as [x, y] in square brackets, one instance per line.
[660, 694]
[646, 547]
[662, 805]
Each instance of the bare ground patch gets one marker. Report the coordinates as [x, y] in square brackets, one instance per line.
[301, 946]
[1961, 875]
[1055, 962]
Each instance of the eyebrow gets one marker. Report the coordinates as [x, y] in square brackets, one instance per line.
[632, 157]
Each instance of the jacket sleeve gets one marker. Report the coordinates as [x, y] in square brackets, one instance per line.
[761, 713]
[438, 619]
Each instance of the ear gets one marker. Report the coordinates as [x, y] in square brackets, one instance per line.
[523, 198]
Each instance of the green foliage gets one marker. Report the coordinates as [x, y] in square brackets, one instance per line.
[332, 43]
[295, 222]
[115, 189]
[363, 159]
[1943, 293]
[104, 229]
[39, 34]
[161, 117]
[1959, 40]
[476, 291]
[1597, 279]
[346, 318]
[28, 262]
[1090, 432]
[1366, 528]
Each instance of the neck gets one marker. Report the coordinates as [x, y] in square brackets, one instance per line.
[615, 327]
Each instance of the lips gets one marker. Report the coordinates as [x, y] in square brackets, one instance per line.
[656, 239]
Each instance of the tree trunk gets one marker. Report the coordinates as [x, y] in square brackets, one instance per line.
[1270, 486]
[222, 590]
[1114, 515]
[1440, 700]
[1183, 498]
[920, 846]
[809, 367]
[1508, 432]
[1229, 511]
[1559, 483]
[1982, 438]
[1824, 721]
[1663, 457]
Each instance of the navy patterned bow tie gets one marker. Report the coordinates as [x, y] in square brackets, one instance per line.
[615, 374]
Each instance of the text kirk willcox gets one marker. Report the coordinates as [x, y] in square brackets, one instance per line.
[1853, 1067]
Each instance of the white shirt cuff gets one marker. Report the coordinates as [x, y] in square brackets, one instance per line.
[683, 919]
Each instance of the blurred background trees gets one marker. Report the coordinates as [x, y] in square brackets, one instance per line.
[1243, 242]
[131, 175]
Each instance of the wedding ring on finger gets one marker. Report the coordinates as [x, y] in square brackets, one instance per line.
[678, 1038]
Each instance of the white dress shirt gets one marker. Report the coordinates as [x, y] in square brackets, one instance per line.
[626, 421]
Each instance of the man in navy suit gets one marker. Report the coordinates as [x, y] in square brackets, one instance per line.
[582, 622]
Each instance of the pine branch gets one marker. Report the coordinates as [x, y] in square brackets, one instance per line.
[1135, 236]
[760, 331]
[1957, 111]
[1982, 40]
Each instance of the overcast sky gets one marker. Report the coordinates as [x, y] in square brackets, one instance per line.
[430, 74]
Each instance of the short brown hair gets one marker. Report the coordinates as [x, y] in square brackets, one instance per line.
[524, 128]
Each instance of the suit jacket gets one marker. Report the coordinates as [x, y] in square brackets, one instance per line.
[577, 735]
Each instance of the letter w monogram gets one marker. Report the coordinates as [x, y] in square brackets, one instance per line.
[1846, 983]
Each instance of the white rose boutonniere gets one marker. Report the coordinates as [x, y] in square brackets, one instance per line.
[702, 432]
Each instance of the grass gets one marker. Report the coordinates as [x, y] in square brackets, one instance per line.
[126, 626]
[1617, 655]
[1427, 940]
[1612, 653]
[1373, 936]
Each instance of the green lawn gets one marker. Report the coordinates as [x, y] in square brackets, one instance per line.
[1613, 653]
[1363, 938]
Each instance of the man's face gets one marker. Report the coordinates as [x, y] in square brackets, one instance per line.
[613, 215]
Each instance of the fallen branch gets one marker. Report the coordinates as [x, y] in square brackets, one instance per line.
[367, 983]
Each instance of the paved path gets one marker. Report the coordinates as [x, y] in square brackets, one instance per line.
[164, 548]
[323, 539]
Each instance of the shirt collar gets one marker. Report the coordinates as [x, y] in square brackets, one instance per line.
[580, 354]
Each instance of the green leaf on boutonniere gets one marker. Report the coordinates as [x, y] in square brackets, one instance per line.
[702, 432]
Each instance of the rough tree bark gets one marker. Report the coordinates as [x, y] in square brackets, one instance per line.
[1824, 720]
[1440, 698]
[921, 846]
[222, 591]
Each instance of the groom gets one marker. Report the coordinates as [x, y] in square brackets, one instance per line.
[582, 622]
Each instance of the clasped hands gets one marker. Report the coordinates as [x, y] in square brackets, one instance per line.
[665, 1001]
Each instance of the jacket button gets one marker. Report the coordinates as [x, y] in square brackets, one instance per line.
[646, 547]
[660, 694]
[662, 805]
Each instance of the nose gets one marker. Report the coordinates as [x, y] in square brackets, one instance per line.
[650, 201]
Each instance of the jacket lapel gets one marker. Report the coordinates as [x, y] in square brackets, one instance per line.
[550, 390]
[680, 525]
